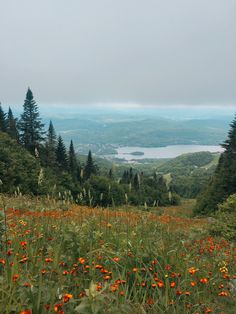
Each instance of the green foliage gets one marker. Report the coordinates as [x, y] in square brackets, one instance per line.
[30, 125]
[18, 168]
[73, 164]
[104, 192]
[12, 126]
[90, 167]
[224, 224]
[186, 163]
[49, 158]
[3, 122]
[223, 182]
[61, 154]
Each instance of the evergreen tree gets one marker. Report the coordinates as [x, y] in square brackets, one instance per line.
[90, 167]
[30, 125]
[136, 182]
[130, 174]
[223, 182]
[3, 122]
[12, 126]
[110, 174]
[61, 155]
[50, 146]
[73, 165]
[125, 177]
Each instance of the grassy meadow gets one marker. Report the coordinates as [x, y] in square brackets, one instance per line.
[62, 258]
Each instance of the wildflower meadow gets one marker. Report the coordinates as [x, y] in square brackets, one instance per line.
[123, 260]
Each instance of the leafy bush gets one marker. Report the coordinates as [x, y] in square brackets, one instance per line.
[225, 219]
[18, 168]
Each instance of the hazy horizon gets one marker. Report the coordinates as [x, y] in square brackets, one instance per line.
[119, 52]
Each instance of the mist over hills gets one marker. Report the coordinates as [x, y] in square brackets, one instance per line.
[102, 128]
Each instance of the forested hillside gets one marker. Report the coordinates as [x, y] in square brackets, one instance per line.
[223, 182]
[76, 237]
[43, 165]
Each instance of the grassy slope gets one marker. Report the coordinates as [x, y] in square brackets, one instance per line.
[133, 261]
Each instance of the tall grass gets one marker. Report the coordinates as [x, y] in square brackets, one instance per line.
[93, 260]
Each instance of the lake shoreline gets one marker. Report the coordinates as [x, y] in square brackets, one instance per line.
[129, 153]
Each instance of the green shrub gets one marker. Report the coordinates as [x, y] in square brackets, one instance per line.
[225, 219]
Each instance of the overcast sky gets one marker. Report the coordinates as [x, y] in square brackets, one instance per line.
[118, 51]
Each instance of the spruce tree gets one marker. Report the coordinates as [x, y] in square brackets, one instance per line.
[3, 121]
[61, 155]
[30, 125]
[12, 126]
[110, 174]
[73, 165]
[125, 177]
[90, 167]
[50, 146]
[223, 182]
[136, 182]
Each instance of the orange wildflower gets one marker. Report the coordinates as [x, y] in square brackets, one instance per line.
[27, 284]
[116, 259]
[160, 284]
[98, 287]
[57, 307]
[114, 287]
[192, 270]
[98, 266]
[172, 284]
[26, 312]
[67, 297]
[23, 244]
[23, 260]
[193, 283]
[223, 294]
[204, 280]
[15, 277]
[150, 301]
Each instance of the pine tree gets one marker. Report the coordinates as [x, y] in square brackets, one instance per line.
[30, 125]
[73, 165]
[125, 177]
[3, 122]
[136, 182]
[110, 174]
[61, 155]
[90, 167]
[50, 146]
[12, 126]
[223, 182]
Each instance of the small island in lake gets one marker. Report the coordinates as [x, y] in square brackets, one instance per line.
[137, 153]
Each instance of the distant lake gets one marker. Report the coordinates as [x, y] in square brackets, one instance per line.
[172, 151]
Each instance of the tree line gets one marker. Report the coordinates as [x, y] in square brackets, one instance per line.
[60, 171]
